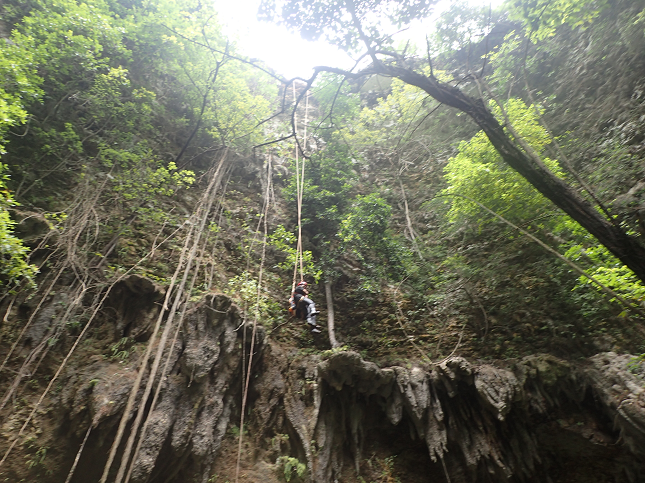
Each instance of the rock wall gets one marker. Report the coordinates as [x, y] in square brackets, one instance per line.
[190, 419]
[535, 419]
[538, 419]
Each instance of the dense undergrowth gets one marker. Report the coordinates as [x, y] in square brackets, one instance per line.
[133, 142]
[117, 117]
[100, 151]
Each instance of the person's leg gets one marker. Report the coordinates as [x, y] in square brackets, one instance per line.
[311, 307]
[311, 314]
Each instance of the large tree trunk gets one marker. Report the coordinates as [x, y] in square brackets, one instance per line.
[330, 316]
[627, 248]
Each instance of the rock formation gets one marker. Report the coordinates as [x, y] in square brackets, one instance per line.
[538, 418]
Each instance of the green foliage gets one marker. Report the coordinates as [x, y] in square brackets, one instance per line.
[291, 466]
[463, 25]
[122, 350]
[70, 41]
[325, 192]
[383, 469]
[224, 99]
[144, 181]
[635, 365]
[112, 74]
[479, 172]
[235, 431]
[543, 17]
[389, 123]
[334, 19]
[13, 253]
[245, 290]
[336, 101]
[236, 109]
[367, 222]
[113, 103]
[330, 175]
[600, 264]
[334, 350]
[619, 278]
[285, 242]
[19, 86]
[539, 20]
[365, 232]
[38, 458]
[124, 88]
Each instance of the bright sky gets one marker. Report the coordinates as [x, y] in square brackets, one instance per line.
[285, 52]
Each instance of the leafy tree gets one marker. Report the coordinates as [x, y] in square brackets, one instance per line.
[19, 87]
[119, 97]
[13, 252]
[478, 172]
[348, 25]
[390, 123]
[344, 23]
[542, 17]
[462, 27]
[599, 263]
[365, 232]
[285, 242]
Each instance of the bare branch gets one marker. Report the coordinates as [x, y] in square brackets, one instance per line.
[227, 54]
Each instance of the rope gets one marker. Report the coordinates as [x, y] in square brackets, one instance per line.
[302, 189]
[298, 196]
[300, 183]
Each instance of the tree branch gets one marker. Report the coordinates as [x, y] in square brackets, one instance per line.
[575, 267]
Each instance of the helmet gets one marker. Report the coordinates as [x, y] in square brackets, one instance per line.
[302, 284]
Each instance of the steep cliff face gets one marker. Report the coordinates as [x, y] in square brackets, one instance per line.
[538, 418]
[197, 391]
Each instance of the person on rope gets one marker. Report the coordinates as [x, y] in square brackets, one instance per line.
[302, 307]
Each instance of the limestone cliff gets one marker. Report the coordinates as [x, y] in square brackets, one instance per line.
[538, 418]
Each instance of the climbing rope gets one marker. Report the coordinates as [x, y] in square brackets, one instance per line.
[300, 182]
[298, 263]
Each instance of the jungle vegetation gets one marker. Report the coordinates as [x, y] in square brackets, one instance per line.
[419, 164]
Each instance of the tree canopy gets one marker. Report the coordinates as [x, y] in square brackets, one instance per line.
[114, 112]
[344, 21]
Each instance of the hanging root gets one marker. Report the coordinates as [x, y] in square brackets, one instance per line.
[78, 455]
[256, 312]
[187, 258]
[95, 307]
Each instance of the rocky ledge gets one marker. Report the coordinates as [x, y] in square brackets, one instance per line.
[538, 418]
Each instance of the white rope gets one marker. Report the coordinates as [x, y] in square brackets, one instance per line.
[300, 183]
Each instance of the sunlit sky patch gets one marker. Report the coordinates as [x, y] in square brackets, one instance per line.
[286, 52]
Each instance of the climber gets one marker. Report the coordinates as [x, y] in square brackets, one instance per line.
[303, 307]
